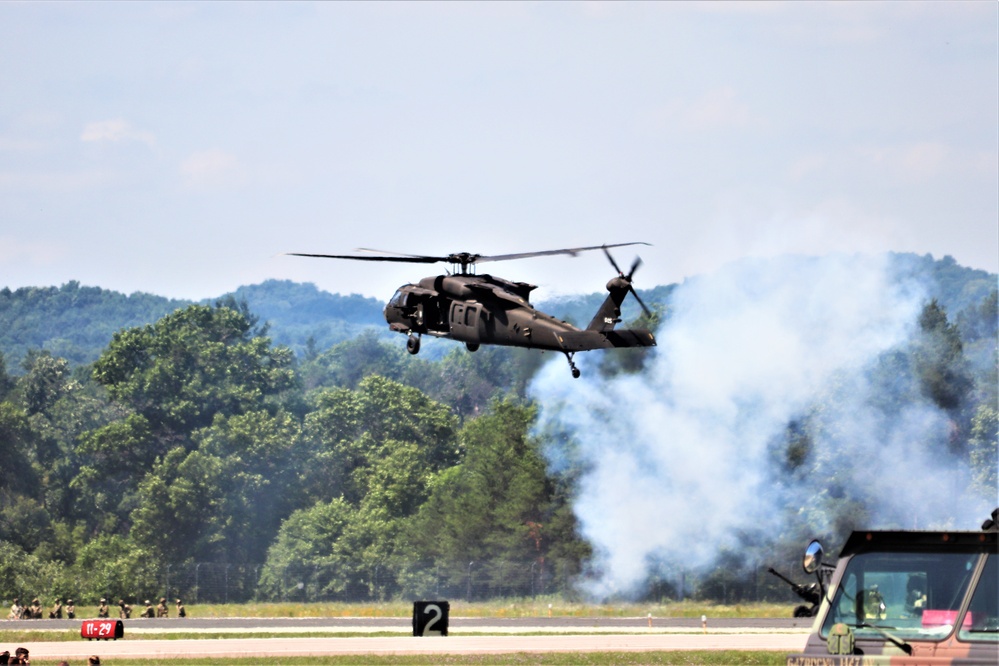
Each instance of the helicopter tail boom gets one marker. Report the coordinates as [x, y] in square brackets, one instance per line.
[587, 340]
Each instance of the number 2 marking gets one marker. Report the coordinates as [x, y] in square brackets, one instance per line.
[432, 608]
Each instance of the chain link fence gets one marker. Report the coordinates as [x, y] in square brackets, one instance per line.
[208, 582]
[224, 583]
[365, 582]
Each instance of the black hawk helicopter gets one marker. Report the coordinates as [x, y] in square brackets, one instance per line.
[489, 310]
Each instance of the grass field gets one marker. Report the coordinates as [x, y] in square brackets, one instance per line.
[540, 607]
[404, 609]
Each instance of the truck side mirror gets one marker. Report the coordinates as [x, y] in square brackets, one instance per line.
[813, 557]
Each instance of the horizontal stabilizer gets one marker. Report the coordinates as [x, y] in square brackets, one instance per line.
[631, 337]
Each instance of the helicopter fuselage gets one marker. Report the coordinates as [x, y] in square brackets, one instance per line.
[483, 309]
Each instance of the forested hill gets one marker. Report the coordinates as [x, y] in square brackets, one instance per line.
[72, 321]
[76, 322]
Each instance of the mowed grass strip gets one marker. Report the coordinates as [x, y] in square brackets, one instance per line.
[507, 608]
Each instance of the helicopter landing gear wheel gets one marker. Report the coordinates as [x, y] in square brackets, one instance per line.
[413, 344]
[572, 365]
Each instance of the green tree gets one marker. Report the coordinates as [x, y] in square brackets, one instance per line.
[940, 364]
[24, 575]
[303, 547]
[981, 321]
[114, 458]
[113, 567]
[225, 500]
[172, 378]
[374, 449]
[347, 363]
[498, 507]
[263, 459]
[181, 513]
[44, 382]
[6, 381]
[191, 365]
[348, 431]
[983, 449]
[15, 443]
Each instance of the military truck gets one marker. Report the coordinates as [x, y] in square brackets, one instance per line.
[901, 598]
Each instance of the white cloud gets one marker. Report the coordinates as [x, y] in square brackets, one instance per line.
[115, 131]
[719, 108]
[54, 181]
[211, 169]
[807, 165]
[915, 161]
[30, 252]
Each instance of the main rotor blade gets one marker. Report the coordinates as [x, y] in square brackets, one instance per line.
[463, 258]
[386, 253]
[405, 259]
[572, 251]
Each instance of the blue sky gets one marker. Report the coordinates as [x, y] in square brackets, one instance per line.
[178, 148]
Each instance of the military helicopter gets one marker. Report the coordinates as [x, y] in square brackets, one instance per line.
[485, 309]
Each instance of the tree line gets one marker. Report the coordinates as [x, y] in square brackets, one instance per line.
[196, 439]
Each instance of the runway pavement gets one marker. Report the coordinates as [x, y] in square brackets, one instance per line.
[466, 636]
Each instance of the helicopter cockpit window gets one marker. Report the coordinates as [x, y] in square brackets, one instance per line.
[399, 299]
[912, 595]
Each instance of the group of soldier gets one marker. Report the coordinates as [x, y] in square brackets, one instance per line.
[22, 656]
[125, 610]
[34, 610]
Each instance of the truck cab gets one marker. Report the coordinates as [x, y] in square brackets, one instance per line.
[905, 597]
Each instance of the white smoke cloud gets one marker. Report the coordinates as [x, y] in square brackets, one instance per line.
[680, 460]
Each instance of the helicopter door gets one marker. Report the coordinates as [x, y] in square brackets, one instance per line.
[465, 321]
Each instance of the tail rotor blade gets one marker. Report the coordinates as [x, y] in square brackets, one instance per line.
[645, 308]
[634, 266]
[611, 260]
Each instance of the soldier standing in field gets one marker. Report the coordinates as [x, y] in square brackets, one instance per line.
[103, 611]
[180, 609]
[161, 608]
[148, 612]
[56, 612]
[70, 609]
[124, 610]
[16, 609]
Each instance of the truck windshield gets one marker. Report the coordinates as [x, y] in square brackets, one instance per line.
[983, 624]
[912, 595]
